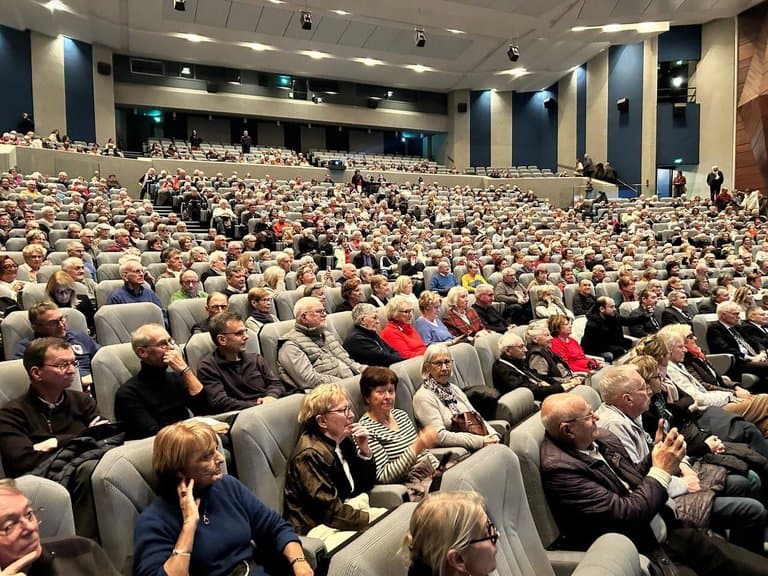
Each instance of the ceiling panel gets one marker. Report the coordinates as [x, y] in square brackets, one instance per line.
[662, 8]
[596, 10]
[385, 38]
[529, 8]
[630, 10]
[697, 6]
[188, 15]
[243, 17]
[356, 34]
[273, 21]
[330, 29]
[213, 13]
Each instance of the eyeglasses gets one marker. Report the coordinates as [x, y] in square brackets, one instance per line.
[493, 534]
[587, 417]
[169, 343]
[321, 312]
[442, 362]
[53, 321]
[12, 526]
[343, 410]
[407, 311]
[218, 306]
[63, 366]
[10, 266]
[240, 333]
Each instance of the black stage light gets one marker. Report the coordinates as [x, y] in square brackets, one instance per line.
[180, 5]
[306, 20]
[513, 52]
[419, 37]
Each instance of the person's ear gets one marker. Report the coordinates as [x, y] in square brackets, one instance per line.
[455, 560]
[34, 373]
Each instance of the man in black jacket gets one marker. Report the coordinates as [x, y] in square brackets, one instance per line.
[603, 335]
[364, 344]
[725, 337]
[755, 329]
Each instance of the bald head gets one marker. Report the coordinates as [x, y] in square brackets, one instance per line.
[569, 420]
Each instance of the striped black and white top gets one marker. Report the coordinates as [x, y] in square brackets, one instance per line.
[392, 448]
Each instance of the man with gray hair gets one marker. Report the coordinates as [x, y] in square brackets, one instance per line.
[488, 313]
[364, 343]
[725, 337]
[677, 311]
[309, 354]
[75, 267]
[134, 289]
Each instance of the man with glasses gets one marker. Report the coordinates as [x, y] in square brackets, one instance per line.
[48, 321]
[309, 354]
[163, 392]
[134, 288]
[22, 551]
[34, 426]
[232, 378]
[189, 283]
[594, 488]
[215, 303]
[725, 337]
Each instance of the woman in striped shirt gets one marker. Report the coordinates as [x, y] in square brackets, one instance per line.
[395, 443]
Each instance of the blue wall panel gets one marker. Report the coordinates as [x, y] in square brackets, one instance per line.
[78, 90]
[677, 136]
[680, 43]
[581, 112]
[16, 72]
[480, 128]
[535, 129]
[625, 137]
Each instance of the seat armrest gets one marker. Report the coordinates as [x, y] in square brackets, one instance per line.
[516, 406]
[720, 362]
[610, 555]
[314, 550]
[388, 495]
[564, 562]
[503, 428]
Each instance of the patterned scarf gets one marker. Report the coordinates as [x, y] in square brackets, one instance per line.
[443, 393]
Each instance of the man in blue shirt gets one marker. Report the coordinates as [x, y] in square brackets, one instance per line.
[444, 280]
[48, 321]
[134, 289]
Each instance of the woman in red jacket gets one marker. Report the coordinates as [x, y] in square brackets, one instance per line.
[399, 331]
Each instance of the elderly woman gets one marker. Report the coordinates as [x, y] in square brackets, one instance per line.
[331, 470]
[511, 370]
[203, 521]
[351, 295]
[9, 285]
[472, 278]
[404, 287]
[259, 309]
[273, 279]
[451, 535]
[34, 256]
[305, 275]
[544, 362]
[395, 443]
[548, 303]
[379, 291]
[61, 290]
[568, 348]
[443, 405]
[364, 343]
[399, 331]
[460, 318]
[428, 324]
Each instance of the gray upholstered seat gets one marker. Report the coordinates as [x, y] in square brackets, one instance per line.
[164, 288]
[495, 473]
[111, 367]
[268, 339]
[183, 315]
[341, 324]
[52, 505]
[104, 288]
[116, 322]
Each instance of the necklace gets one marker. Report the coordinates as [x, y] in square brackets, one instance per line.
[206, 520]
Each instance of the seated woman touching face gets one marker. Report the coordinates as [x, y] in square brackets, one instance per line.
[203, 521]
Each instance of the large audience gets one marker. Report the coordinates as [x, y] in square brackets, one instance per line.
[604, 293]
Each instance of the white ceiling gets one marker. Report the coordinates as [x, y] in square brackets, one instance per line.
[377, 29]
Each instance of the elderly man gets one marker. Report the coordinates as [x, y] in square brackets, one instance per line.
[171, 257]
[626, 397]
[164, 390]
[366, 258]
[189, 283]
[348, 271]
[48, 321]
[511, 370]
[35, 425]
[642, 320]
[77, 250]
[232, 378]
[488, 313]
[514, 296]
[236, 279]
[309, 354]
[364, 343]
[443, 280]
[215, 303]
[122, 241]
[22, 551]
[584, 299]
[709, 305]
[755, 329]
[593, 487]
[677, 311]
[76, 267]
[134, 289]
[217, 262]
[725, 337]
[87, 237]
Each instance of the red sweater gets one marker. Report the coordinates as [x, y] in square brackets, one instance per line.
[403, 338]
[571, 352]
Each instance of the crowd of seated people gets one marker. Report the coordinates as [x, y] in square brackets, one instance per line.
[511, 249]
[55, 141]
[197, 149]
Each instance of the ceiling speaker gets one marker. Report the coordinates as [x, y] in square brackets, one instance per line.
[461, 108]
[104, 68]
[622, 104]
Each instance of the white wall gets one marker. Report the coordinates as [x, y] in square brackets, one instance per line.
[597, 107]
[566, 119]
[49, 105]
[501, 129]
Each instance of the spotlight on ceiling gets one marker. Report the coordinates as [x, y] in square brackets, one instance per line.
[513, 52]
[180, 5]
[316, 99]
[419, 37]
[306, 20]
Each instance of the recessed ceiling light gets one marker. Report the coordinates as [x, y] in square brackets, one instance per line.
[578, 28]
[193, 37]
[277, 1]
[258, 46]
[54, 5]
[341, 12]
[369, 61]
[519, 71]
[454, 31]
[419, 68]
[315, 55]
[612, 28]
[641, 27]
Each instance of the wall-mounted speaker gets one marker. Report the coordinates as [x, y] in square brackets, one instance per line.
[550, 103]
[622, 104]
[104, 68]
[212, 87]
[461, 108]
[678, 108]
[373, 103]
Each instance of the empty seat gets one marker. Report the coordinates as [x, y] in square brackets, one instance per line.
[116, 322]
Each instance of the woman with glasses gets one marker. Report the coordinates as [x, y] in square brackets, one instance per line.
[428, 324]
[451, 535]
[399, 331]
[544, 362]
[260, 309]
[440, 404]
[331, 470]
[34, 258]
[460, 318]
[10, 287]
[61, 289]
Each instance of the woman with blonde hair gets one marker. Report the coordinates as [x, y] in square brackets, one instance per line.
[451, 534]
[34, 258]
[429, 325]
[404, 287]
[61, 290]
[743, 297]
[273, 279]
[548, 303]
[259, 309]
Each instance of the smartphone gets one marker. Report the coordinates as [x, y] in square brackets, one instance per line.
[665, 426]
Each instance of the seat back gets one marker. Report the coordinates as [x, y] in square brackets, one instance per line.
[284, 302]
[112, 366]
[263, 440]
[52, 504]
[164, 288]
[487, 348]
[183, 315]
[332, 299]
[495, 473]
[341, 324]
[700, 324]
[108, 272]
[268, 339]
[15, 327]
[116, 322]
[201, 345]
[467, 370]
[124, 484]
[104, 288]
[215, 284]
